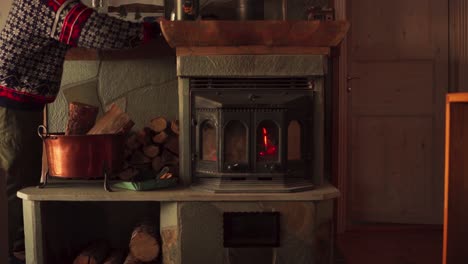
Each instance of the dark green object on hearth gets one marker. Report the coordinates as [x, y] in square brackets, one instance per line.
[147, 180]
[147, 185]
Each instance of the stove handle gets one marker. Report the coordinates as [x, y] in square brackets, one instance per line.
[233, 167]
[253, 97]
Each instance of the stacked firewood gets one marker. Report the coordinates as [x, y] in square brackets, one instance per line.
[154, 147]
[144, 247]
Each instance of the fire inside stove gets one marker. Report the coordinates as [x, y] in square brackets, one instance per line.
[267, 141]
[252, 135]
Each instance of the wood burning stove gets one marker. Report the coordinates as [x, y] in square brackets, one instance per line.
[252, 134]
[252, 123]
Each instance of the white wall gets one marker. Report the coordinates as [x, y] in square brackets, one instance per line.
[4, 8]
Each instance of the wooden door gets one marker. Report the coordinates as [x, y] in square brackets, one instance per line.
[398, 76]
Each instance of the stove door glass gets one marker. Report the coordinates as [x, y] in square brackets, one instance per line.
[235, 142]
[208, 145]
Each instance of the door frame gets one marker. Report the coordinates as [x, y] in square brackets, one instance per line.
[339, 161]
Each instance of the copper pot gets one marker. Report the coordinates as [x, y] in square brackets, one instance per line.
[83, 156]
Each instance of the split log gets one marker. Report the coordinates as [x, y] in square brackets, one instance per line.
[173, 145]
[157, 164]
[95, 253]
[144, 136]
[148, 149]
[128, 125]
[112, 122]
[139, 158]
[128, 153]
[175, 127]
[131, 260]
[169, 158]
[160, 138]
[81, 118]
[158, 124]
[115, 257]
[151, 151]
[132, 142]
[144, 243]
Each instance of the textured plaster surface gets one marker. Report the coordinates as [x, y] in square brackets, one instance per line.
[250, 65]
[121, 103]
[57, 114]
[169, 215]
[170, 245]
[143, 88]
[299, 232]
[119, 78]
[201, 233]
[152, 101]
[73, 72]
[249, 255]
[78, 71]
[297, 219]
[84, 92]
[324, 212]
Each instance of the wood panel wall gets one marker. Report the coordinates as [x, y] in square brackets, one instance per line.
[458, 39]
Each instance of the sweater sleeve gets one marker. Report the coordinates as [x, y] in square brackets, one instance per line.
[80, 26]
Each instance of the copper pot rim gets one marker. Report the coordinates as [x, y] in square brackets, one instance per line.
[44, 134]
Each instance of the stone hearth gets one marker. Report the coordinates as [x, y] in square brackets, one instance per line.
[192, 232]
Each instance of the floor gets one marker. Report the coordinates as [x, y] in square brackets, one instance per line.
[390, 245]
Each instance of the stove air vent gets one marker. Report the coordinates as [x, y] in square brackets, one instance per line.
[252, 83]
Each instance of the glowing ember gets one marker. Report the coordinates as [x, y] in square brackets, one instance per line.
[268, 148]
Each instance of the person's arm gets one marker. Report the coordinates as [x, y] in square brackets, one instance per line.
[80, 26]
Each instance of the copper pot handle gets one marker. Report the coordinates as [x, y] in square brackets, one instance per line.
[42, 132]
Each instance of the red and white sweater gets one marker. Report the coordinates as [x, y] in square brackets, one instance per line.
[37, 36]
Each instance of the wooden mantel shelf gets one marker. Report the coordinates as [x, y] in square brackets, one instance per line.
[253, 37]
[270, 33]
[232, 37]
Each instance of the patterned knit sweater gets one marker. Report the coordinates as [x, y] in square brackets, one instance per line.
[36, 38]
